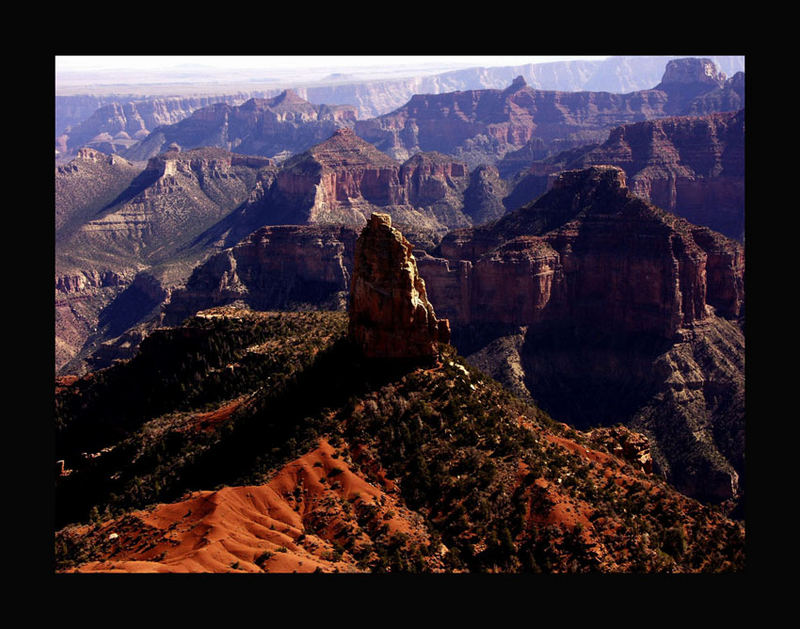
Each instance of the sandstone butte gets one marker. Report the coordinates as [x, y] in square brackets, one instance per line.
[390, 315]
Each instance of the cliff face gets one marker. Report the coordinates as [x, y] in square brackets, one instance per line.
[604, 308]
[282, 267]
[588, 251]
[481, 126]
[87, 184]
[119, 125]
[345, 179]
[697, 87]
[691, 166]
[390, 316]
[273, 127]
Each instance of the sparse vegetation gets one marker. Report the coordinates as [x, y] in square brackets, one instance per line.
[481, 473]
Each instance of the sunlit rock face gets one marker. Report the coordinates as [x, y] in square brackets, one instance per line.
[390, 316]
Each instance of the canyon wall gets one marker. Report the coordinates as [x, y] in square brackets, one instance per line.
[482, 126]
[692, 166]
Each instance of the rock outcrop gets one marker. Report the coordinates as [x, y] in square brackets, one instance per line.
[390, 315]
[281, 267]
[344, 179]
[694, 84]
[692, 166]
[588, 251]
[269, 127]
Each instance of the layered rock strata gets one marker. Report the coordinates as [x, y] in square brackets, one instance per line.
[270, 127]
[390, 315]
[481, 126]
[689, 165]
[588, 251]
[345, 179]
[281, 267]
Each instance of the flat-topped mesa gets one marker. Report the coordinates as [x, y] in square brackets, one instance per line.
[390, 316]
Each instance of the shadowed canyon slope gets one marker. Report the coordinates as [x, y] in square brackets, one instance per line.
[607, 309]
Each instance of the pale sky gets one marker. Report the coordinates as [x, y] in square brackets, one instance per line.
[244, 62]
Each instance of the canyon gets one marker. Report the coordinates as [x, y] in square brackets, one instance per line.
[482, 126]
[536, 290]
[590, 284]
[692, 166]
[496, 486]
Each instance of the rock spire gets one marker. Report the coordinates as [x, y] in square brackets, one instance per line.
[390, 316]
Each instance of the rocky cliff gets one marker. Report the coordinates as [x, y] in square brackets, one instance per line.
[345, 179]
[119, 123]
[608, 304]
[275, 268]
[692, 166]
[87, 184]
[390, 315]
[481, 126]
[695, 85]
[271, 127]
[588, 250]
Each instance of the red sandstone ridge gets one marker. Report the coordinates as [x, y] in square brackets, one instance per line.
[692, 166]
[390, 316]
[589, 251]
[345, 179]
[286, 525]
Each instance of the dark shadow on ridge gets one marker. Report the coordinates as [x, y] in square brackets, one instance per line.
[590, 377]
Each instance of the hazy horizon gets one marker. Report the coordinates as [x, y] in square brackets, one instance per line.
[102, 72]
[162, 63]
